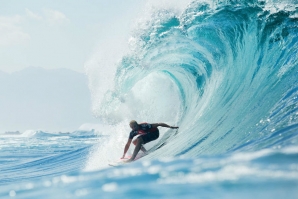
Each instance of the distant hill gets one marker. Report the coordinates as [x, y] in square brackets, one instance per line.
[36, 98]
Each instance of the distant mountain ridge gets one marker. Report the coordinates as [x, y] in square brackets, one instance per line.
[37, 98]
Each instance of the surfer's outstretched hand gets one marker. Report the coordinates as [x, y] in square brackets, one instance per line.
[174, 127]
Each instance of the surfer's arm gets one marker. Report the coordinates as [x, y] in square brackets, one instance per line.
[126, 147]
[164, 125]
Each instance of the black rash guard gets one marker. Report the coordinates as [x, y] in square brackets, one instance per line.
[144, 128]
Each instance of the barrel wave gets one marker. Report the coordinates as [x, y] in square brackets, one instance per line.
[226, 73]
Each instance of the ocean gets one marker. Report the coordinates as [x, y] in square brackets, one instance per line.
[225, 72]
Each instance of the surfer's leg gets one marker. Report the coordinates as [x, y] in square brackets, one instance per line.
[139, 144]
[142, 147]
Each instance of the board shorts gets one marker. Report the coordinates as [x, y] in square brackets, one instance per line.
[148, 137]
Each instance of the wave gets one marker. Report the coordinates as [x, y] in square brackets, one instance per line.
[224, 71]
[235, 175]
[39, 154]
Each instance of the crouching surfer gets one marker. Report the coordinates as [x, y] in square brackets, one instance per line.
[146, 133]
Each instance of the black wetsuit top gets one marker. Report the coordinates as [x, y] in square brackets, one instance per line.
[144, 128]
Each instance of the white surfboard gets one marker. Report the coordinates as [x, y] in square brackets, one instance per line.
[120, 162]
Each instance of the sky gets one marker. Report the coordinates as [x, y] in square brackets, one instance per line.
[58, 34]
[48, 100]
[41, 38]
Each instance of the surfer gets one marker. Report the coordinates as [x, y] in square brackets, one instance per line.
[147, 133]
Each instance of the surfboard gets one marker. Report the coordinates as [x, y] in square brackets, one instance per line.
[120, 162]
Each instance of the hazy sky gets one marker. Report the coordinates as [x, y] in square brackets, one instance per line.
[57, 33]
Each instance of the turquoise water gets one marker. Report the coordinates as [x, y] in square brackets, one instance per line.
[225, 73]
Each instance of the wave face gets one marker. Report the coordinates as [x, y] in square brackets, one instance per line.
[226, 73]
